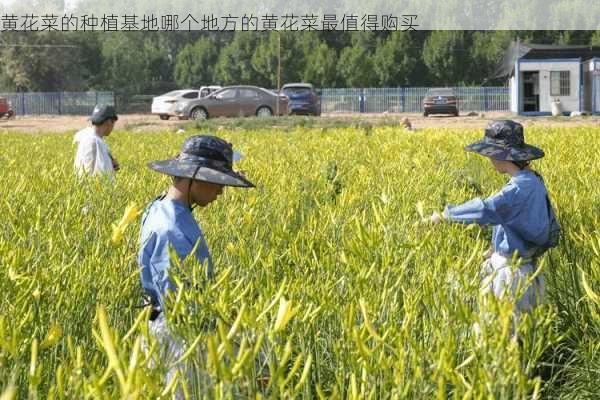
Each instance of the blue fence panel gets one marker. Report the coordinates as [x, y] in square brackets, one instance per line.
[414, 99]
[57, 103]
[340, 100]
[410, 99]
[83, 103]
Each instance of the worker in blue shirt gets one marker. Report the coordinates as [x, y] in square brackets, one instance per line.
[524, 224]
[200, 172]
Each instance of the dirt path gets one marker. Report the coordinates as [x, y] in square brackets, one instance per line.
[64, 123]
[480, 120]
[143, 123]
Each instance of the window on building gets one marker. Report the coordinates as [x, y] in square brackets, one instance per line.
[560, 83]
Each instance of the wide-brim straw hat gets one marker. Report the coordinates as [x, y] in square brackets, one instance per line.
[504, 140]
[204, 158]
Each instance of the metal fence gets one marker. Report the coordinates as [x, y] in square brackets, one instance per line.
[57, 103]
[410, 99]
[369, 100]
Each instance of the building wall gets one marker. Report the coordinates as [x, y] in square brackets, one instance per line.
[514, 98]
[591, 68]
[587, 94]
[569, 103]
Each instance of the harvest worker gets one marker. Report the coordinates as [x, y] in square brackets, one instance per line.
[524, 224]
[200, 172]
[406, 124]
[93, 156]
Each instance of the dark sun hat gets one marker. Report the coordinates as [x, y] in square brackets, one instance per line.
[204, 158]
[503, 140]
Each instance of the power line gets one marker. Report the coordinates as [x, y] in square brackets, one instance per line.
[40, 45]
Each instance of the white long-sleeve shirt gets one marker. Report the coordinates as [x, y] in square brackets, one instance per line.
[93, 156]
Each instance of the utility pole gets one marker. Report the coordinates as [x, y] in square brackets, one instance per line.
[278, 69]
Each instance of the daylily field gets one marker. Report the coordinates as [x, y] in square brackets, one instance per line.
[326, 283]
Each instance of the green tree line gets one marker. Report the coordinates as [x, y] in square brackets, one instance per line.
[153, 62]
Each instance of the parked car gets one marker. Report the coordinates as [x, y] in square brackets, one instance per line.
[164, 105]
[440, 101]
[206, 90]
[6, 108]
[234, 101]
[303, 98]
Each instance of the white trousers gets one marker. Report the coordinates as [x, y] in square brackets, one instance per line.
[502, 279]
[170, 349]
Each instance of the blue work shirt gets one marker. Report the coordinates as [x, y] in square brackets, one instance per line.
[167, 222]
[519, 213]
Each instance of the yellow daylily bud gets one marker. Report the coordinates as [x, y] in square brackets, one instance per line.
[284, 314]
[131, 213]
[52, 337]
[588, 290]
[12, 274]
[420, 209]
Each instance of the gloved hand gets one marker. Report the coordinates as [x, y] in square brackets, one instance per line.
[115, 163]
[434, 218]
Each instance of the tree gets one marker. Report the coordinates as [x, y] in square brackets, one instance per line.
[321, 62]
[265, 58]
[48, 61]
[355, 64]
[133, 63]
[171, 44]
[445, 55]
[196, 63]
[486, 54]
[234, 65]
[396, 59]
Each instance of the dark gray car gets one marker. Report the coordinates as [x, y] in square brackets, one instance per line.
[234, 101]
[440, 101]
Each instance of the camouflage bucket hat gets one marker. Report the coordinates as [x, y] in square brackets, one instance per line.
[503, 140]
[204, 158]
[103, 112]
